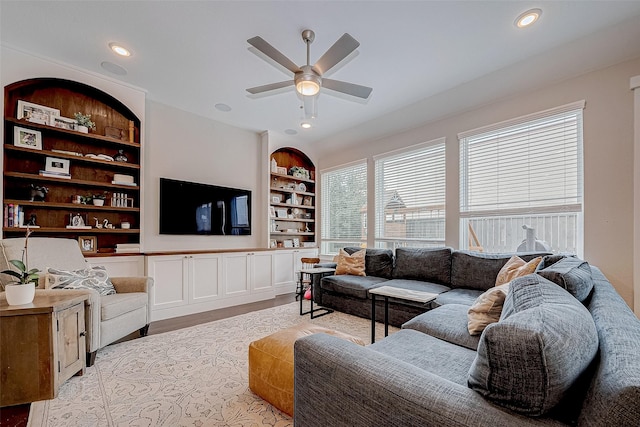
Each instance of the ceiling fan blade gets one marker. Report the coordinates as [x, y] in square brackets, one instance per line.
[272, 86]
[347, 88]
[336, 53]
[273, 53]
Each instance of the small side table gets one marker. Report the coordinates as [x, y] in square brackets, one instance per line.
[397, 293]
[312, 272]
[42, 345]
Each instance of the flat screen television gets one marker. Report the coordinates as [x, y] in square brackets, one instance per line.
[203, 209]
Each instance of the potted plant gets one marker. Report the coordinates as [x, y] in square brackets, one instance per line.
[84, 122]
[96, 199]
[23, 287]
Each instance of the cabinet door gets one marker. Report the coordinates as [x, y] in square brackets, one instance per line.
[170, 278]
[284, 279]
[262, 271]
[236, 274]
[206, 271]
[71, 343]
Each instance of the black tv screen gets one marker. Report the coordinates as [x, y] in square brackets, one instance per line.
[203, 209]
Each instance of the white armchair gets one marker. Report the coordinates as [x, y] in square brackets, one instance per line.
[108, 318]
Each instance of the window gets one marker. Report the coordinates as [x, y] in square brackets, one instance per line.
[521, 183]
[344, 202]
[410, 196]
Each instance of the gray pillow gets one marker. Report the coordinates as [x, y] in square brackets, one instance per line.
[573, 274]
[545, 339]
[377, 262]
[95, 278]
[479, 270]
[426, 264]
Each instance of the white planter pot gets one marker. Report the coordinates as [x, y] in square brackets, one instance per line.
[98, 202]
[82, 129]
[20, 294]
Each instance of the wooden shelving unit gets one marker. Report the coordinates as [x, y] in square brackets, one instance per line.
[22, 165]
[292, 199]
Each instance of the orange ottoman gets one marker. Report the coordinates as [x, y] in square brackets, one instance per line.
[271, 363]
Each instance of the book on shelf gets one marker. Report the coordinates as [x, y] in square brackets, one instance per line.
[124, 248]
[13, 216]
[79, 227]
[55, 174]
[130, 184]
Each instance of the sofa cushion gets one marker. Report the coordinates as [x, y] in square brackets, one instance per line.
[516, 267]
[378, 262]
[427, 264]
[355, 286]
[448, 323]
[543, 342]
[479, 270]
[115, 305]
[95, 278]
[428, 353]
[458, 296]
[573, 274]
[417, 285]
[352, 264]
[486, 309]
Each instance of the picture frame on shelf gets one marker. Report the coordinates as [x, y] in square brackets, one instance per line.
[282, 170]
[55, 165]
[307, 201]
[272, 212]
[296, 242]
[27, 138]
[275, 198]
[88, 244]
[281, 213]
[63, 123]
[288, 243]
[273, 243]
[35, 113]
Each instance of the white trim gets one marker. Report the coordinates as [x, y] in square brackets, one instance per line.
[578, 105]
[524, 211]
[415, 147]
[635, 86]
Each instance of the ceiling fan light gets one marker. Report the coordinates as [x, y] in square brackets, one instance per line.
[307, 87]
[305, 125]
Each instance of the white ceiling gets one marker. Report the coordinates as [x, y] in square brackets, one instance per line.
[194, 54]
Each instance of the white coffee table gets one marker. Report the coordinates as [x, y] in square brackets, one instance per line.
[397, 293]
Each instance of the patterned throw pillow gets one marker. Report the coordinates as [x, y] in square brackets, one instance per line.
[516, 267]
[351, 264]
[95, 278]
[486, 309]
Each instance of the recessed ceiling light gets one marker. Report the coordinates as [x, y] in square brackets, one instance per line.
[291, 131]
[122, 51]
[527, 18]
[223, 107]
[305, 125]
[113, 68]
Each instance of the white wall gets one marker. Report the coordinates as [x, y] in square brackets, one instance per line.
[186, 147]
[608, 159]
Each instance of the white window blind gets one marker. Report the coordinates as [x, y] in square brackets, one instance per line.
[344, 201]
[528, 168]
[410, 196]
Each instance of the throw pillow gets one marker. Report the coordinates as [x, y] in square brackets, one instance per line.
[351, 264]
[530, 359]
[94, 278]
[516, 267]
[486, 309]
[573, 274]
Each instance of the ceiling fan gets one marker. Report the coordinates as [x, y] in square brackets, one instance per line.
[308, 79]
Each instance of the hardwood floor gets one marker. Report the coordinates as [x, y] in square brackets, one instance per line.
[17, 416]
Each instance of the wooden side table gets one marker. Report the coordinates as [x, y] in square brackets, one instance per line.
[42, 345]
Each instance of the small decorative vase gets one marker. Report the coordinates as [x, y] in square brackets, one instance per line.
[20, 294]
[82, 129]
[120, 157]
[98, 202]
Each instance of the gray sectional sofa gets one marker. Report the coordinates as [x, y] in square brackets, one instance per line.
[566, 351]
[457, 276]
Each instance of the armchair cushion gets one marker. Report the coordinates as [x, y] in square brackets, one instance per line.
[118, 304]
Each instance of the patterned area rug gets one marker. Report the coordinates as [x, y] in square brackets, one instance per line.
[196, 376]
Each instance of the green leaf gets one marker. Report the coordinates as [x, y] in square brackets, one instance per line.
[19, 264]
[32, 278]
[33, 271]
[13, 273]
